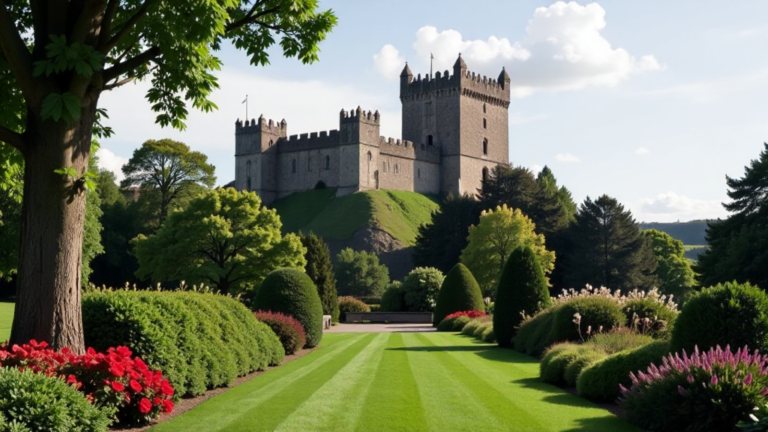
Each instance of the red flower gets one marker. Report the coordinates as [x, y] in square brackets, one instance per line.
[117, 370]
[166, 388]
[135, 385]
[71, 379]
[167, 406]
[124, 351]
[118, 387]
[145, 406]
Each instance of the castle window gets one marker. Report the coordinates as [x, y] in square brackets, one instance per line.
[485, 146]
[248, 176]
[484, 111]
[397, 169]
[293, 166]
[327, 163]
[383, 166]
[418, 173]
[309, 164]
[485, 175]
[485, 125]
[430, 140]
[370, 156]
[270, 143]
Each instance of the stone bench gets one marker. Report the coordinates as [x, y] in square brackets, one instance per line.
[327, 322]
[390, 317]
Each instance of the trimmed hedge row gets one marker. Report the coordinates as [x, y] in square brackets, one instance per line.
[564, 362]
[197, 340]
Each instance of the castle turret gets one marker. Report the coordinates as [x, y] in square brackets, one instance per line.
[459, 67]
[406, 77]
[504, 79]
[256, 143]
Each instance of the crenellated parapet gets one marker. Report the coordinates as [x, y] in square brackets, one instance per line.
[262, 125]
[310, 141]
[359, 115]
[408, 150]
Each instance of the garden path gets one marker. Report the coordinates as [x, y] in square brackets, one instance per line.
[380, 328]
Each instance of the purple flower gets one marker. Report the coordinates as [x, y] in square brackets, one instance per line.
[682, 391]
[713, 381]
[748, 379]
[764, 391]
[690, 379]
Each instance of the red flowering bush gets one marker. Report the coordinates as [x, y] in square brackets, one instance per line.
[287, 328]
[704, 391]
[468, 314]
[117, 383]
[457, 320]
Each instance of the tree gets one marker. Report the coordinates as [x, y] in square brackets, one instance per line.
[522, 288]
[420, 289]
[494, 238]
[607, 248]
[58, 57]
[106, 187]
[224, 239]
[459, 293]
[548, 185]
[439, 244]
[170, 168]
[359, 274]
[738, 245]
[320, 269]
[675, 273]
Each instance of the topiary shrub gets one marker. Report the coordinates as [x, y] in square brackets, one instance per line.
[727, 314]
[459, 292]
[586, 356]
[35, 402]
[420, 289]
[649, 317]
[459, 323]
[532, 337]
[471, 326]
[392, 299]
[288, 330]
[522, 288]
[600, 381]
[595, 314]
[482, 329]
[555, 360]
[488, 335]
[351, 304]
[292, 292]
[446, 324]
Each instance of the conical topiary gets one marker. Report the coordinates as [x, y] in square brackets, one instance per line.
[292, 292]
[459, 292]
[522, 288]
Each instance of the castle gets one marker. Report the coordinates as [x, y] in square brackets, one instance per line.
[455, 130]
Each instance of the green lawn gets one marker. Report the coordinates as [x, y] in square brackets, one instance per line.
[6, 319]
[399, 382]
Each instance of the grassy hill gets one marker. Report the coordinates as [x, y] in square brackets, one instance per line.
[399, 213]
[690, 233]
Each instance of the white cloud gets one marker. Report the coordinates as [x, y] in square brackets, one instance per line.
[112, 162]
[388, 62]
[671, 207]
[536, 169]
[567, 158]
[642, 151]
[563, 50]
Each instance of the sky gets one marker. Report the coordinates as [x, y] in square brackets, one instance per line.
[651, 102]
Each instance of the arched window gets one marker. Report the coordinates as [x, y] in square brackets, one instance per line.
[485, 175]
[327, 163]
[370, 156]
[248, 176]
[485, 146]
[484, 109]
[485, 124]
[430, 141]
[293, 166]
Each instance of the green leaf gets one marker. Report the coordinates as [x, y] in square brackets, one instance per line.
[52, 106]
[68, 171]
[72, 105]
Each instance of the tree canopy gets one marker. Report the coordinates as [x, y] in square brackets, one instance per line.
[493, 239]
[675, 273]
[225, 239]
[359, 273]
[320, 269]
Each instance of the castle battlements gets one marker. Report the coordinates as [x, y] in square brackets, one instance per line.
[310, 141]
[359, 115]
[262, 125]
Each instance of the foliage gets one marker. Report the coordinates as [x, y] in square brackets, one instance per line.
[563, 363]
[577, 319]
[726, 314]
[288, 329]
[649, 317]
[459, 323]
[31, 401]
[548, 185]
[197, 340]
[487, 334]
[586, 357]
[121, 386]
[420, 289]
[106, 187]
[351, 304]
[600, 381]
[439, 243]
[471, 326]
[169, 167]
[393, 298]
[493, 239]
[224, 238]
[615, 295]
[758, 421]
[619, 339]
[737, 245]
[117, 265]
[359, 273]
[607, 248]
[522, 289]
[92, 229]
[704, 391]
[320, 269]
[446, 325]
[533, 336]
[292, 292]
[675, 273]
[459, 292]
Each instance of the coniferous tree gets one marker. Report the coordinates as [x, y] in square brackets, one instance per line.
[738, 245]
[320, 269]
[608, 250]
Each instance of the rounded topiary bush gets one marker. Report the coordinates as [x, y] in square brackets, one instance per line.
[351, 304]
[598, 313]
[34, 402]
[459, 292]
[292, 292]
[532, 337]
[420, 289]
[586, 356]
[446, 324]
[661, 318]
[727, 314]
[556, 359]
[392, 299]
[522, 288]
[471, 326]
[460, 322]
[600, 381]
[488, 335]
[288, 329]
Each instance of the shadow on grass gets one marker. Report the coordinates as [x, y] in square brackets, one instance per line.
[603, 424]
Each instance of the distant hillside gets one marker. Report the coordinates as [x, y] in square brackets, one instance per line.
[382, 221]
[690, 233]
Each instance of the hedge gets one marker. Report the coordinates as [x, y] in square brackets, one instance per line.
[288, 330]
[351, 304]
[662, 319]
[598, 313]
[197, 340]
[393, 299]
[459, 292]
[563, 363]
[532, 337]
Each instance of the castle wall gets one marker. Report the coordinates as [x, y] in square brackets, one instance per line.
[312, 165]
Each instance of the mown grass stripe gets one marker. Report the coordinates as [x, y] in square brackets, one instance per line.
[336, 405]
[393, 402]
[216, 413]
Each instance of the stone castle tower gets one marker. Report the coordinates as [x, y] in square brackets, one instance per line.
[455, 130]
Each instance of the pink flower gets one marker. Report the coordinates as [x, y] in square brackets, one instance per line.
[748, 379]
[682, 391]
[764, 392]
[714, 380]
[690, 379]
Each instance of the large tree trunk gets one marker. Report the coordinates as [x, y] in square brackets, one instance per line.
[48, 290]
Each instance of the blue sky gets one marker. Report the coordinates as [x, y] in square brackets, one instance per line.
[651, 102]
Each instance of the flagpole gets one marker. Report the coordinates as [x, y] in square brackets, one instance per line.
[431, 59]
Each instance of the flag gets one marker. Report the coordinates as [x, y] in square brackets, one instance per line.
[246, 99]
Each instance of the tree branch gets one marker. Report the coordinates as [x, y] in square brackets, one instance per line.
[250, 18]
[11, 137]
[131, 64]
[119, 83]
[16, 52]
[127, 27]
[106, 22]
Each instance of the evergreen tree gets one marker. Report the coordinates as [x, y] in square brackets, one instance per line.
[439, 244]
[738, 245]
[674, 270]
[459, 292]
[360, 274]
[320, 269]
[608, 250]
[522, 288]
[548, 184]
